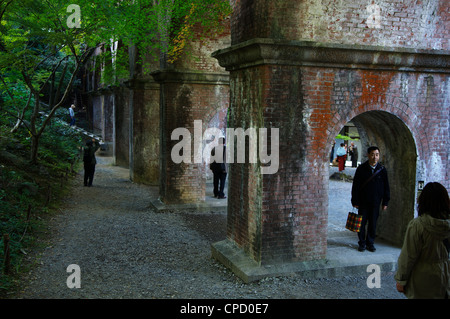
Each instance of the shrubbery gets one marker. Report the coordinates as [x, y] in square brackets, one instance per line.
[27, 191]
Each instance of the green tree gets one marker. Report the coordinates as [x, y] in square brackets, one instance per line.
[36, 45]
[43, 45]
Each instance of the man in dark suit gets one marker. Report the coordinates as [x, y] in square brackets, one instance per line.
[370, 189]
[218, 166]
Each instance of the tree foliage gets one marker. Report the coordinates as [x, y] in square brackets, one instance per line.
[43, 45]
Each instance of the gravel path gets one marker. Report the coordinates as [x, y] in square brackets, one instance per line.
[127, 250]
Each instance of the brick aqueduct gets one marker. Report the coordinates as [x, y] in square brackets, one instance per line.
[306, 68]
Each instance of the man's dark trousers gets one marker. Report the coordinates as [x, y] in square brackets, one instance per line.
[89, 170]
[370, 216]
[219, 183]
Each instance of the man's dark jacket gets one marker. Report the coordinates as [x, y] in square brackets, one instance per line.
[218, 168]
[89, 153]
[375, 191]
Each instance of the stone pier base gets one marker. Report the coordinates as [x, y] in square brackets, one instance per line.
[341, 260]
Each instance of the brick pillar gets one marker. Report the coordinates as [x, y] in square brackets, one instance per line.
[122, 127]
[279, 80]
[145, 133]
[187, 97]
[280, 217]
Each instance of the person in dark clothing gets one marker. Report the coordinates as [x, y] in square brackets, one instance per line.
[218, 166]
[89, 161]
[332, 152]
[354, 154]
[370, 189]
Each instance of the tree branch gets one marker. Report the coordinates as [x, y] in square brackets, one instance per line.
[4, 9]
[53, 72]
[68, 89]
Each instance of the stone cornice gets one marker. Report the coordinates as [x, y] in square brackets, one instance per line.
[306, 53]
[142, 84]
[196, 77]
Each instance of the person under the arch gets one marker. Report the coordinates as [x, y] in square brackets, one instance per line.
[370, 189]
[219, 168]
[341, 156]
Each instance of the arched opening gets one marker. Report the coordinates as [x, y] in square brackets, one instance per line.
[219, 121]
[399, 156]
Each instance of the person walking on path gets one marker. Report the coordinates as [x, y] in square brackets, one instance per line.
[424, 265]
[72, 115]
[341, 156]
[89, 161]
[370, 188]
[218, 166]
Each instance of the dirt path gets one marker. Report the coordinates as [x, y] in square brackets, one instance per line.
[127, 250]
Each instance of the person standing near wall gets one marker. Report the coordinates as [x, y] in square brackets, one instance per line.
[218, 166]
[353, 151]
[370, 189]
[72, 115]
[424, 265]
[332, 151]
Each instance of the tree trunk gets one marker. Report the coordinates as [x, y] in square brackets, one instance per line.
[34, 148]
[33, 131]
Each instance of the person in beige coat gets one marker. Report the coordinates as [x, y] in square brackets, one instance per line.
[424, 265]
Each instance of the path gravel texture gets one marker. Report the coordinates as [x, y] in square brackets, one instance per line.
[127, 250]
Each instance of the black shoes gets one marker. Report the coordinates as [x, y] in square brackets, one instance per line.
[369, 248]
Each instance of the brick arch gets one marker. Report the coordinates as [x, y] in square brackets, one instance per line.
[396, 132]
[408, 115]
[187, 97]
[399, 155]
[215, 118]
[396, 108]
[310, 90]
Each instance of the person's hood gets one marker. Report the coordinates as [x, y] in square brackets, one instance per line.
[437, 227]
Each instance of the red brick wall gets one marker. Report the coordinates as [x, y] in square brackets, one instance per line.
[185, 103]
[401, 23]
[283, 217]
[412, 131]
[402, 108]
[279, 217]
[197, 54]
[195, 87]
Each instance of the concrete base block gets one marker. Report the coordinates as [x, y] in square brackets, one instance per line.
[336, 264]
[207, 205]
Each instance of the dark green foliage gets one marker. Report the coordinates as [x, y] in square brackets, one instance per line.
[24, 188]
[41, 55]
